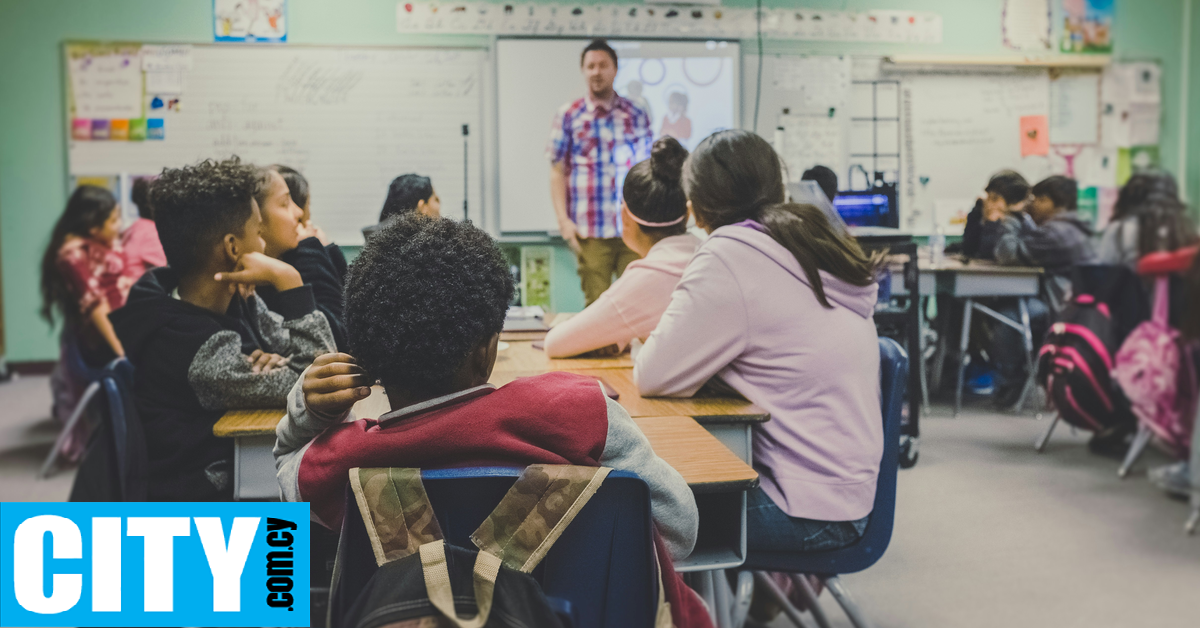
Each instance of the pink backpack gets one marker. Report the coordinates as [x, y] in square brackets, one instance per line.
[1156, 373]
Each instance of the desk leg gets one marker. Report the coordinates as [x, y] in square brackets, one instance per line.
[1027, 336]
[963, 343]
[921, 324]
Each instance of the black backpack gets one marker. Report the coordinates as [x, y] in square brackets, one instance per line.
[423, 581]
[1075, 366]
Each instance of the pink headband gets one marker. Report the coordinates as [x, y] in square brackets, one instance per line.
[658, 224]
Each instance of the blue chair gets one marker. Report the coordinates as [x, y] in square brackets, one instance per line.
[80, 371]
[893, 374]
[114, 466]
[126, 438]
[600, 573]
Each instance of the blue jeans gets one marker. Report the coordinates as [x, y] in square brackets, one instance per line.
[770, 529]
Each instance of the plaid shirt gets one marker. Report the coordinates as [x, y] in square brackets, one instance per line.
[598, 146]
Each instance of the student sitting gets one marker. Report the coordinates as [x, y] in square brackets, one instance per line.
[298, 189]
[406, 194]
[83, 279]
[201, 341]
[140, 242]
[290, 240]
[825, 178]
[1049, 234]
[778, 305]
[1147, 217]
[1007, 193]
[83, 272]
[655, 216]
[425, 303]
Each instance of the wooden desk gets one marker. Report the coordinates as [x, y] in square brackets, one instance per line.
[716, 476]
[974, 279]
[730, 419]
[521, 356]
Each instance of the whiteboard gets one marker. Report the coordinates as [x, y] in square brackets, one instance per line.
[350, 119]
[959, 130]
[535, 77]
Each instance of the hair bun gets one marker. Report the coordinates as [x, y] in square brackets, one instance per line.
[666, 159]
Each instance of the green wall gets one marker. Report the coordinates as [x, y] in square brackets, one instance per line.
[32, 143]
[1193, 113]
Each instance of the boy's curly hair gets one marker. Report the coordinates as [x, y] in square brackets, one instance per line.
[195, 206]
[420, 296]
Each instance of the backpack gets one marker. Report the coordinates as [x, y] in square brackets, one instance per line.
[1074, 367]
[423, 581]
[1157, 375]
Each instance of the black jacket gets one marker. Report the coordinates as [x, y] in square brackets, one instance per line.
[323, 268]
[191, 367]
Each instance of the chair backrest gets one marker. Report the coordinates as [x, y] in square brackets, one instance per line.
[603, 564]
[893, 375]
[128, 440]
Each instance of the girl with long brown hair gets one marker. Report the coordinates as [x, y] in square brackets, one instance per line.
[778, 304]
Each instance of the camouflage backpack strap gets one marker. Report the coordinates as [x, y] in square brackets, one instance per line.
[395, 510]
[535, 512]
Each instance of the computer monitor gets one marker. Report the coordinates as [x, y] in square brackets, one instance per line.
[868, 208]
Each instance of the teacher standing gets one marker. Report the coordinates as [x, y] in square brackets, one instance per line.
[594, 141]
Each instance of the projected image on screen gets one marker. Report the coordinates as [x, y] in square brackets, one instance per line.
[687, 98]
[689, 89]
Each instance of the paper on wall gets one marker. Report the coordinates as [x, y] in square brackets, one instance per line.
[1143, 81]
[1144, 123]
[810, 140]
[1035, 135]
[1075, 109]
[163, 58]
[106, 86]
[820, 83]
[1025, 24]
[1096, 166]
[166, 82]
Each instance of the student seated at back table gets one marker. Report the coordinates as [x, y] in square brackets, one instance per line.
[655, 214]
[1007, 192]
[199, 338]
[1048, 234]
[83, 279]
[295, 242]
[826, 179]
[425, 303]
[778, 305]
[1147, 217]
[406, 194]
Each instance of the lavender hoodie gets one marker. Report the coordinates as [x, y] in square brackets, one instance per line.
[744, 311]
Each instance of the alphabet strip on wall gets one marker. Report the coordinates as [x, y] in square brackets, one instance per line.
[558, 20]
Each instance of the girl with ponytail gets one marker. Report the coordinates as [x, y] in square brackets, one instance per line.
[655, 215]
[778, 305]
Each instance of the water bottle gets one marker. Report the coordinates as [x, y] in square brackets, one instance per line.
[937, 246]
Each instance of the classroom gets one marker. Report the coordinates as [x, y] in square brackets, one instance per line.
[698, 313]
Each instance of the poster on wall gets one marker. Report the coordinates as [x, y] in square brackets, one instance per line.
[261, 21]
[1087, 26]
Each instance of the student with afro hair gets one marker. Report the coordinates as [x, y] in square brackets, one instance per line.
[425, 303]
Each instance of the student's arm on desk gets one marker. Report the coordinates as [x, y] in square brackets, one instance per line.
[597, 326]
[672, 503]
[298, 331]
[702, 331]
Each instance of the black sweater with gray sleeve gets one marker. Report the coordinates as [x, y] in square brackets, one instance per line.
[191, 366]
